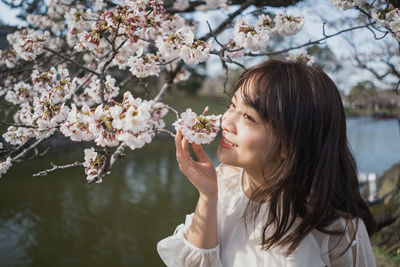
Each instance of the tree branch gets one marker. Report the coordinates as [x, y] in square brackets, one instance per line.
[319, 41]
[72, 61]
[55, 168]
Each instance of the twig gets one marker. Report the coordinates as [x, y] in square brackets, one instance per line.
[308, 43]
[162, 91]
[230, 18]
[72, 61]
[161, 130]
[18, 125]
[26, 150]
[55, 168]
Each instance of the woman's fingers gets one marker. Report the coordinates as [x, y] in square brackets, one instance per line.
[199, 151]
[185, 148]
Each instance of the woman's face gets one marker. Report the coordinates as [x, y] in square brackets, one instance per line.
[246, 139]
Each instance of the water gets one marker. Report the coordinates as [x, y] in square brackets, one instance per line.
[375, 143]
[59, 220]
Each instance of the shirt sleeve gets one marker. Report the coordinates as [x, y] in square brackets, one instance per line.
[176, 251]
[363, 256]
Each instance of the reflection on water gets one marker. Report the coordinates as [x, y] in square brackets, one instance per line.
[59, 220]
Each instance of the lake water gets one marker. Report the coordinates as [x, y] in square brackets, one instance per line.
[59, 220]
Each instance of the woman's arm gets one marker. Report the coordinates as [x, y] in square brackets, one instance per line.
[203, 232]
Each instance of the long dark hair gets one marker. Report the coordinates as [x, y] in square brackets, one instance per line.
[316, 179]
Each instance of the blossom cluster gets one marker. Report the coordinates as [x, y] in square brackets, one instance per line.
[199, 129]
[348, 4]
[388, 18]
[42, 104]
[5, 165]
[256, 37]
[28, 44]
[134, 122]
[301, 56]
[93, 164]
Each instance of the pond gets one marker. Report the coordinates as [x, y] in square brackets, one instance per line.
[59, 220]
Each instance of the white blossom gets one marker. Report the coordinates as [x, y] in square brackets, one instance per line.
[110, 90]
[235, 51]
[181, 76]
[18, 135]
[196, 53]
[93, 164]
[76, 125]
[347, 4]
[181, 5]
[5, 165]
[9, 58]
[29, 44]
[287, 24]
[388, 18]
[144, 65]
[250, 37]
[21, 93]
[301, 56]
[198, 129]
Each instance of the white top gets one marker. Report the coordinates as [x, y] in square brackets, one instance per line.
[238, 247]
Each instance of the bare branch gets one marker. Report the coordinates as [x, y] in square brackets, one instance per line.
[26, 150]
[72, 61]
[55, 168]
[319, 41]
[230, 18]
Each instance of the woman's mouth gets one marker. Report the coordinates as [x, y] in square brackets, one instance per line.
[227, 144]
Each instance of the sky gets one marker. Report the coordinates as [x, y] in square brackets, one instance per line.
[315, 14]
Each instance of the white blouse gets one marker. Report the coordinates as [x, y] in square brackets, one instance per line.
[238, 246]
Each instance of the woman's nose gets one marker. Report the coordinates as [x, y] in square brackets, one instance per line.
[228, 122]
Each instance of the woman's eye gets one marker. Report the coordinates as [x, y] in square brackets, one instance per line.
[248, 117]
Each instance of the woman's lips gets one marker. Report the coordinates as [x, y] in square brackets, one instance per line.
[226, 143]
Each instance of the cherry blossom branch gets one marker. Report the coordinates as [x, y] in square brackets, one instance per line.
[55, 168]
[316, 42]
[72, 61]
[230, 18]
[18, 125]
[161, 130]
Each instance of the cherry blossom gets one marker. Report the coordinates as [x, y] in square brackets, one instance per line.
[5, 165]
[29, 44]
[181, 76]
[9, 58]
[388, 18]
[198, 129]
[110, 90]
[287, 24]
[93, 164]
[21, 93]
[76, 125]
[196, 52]
[18, 135]
[250, 37]
[144, 65]
[181, 5]
[234, 50]
[136, 120]
[347, 4]
[301, 56]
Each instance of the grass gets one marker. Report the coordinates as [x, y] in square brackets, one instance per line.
[389, 257]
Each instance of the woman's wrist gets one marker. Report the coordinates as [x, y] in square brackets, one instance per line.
[208, 198]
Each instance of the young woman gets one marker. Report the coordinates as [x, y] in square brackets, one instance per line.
[286, 192]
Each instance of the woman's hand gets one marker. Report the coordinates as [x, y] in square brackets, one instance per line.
[201, 173]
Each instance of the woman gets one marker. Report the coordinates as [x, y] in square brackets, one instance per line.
[286, 192]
